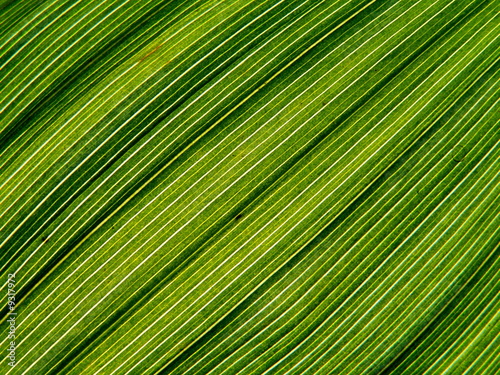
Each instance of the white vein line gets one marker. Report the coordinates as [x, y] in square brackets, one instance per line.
[189, 70]
[102, 37]
[167, 187]
[89, 17]
[39, 32]
[486, 357]
[74, 170]
[116, 183]
[89, 84]
[24, 28]
[304, 167]
[319, 260]
[179, 328]
[280, 340]
[359, 355]
[78, 25]
[491, 324]
[161, 114]
[494, 325]
[444, 328]
[400, 299]
[104, 102]
[296, 303]
[96, 202]
[438, 362]
[271, 247]
[425, 294]
[461, 214]
[395, 252]
[339, 261]
[148, 204]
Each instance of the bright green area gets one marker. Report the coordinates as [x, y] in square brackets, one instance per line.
[251, 187]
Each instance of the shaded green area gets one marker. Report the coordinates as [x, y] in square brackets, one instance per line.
[251, 187]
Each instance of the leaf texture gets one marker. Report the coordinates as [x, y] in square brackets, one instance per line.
[251, 187]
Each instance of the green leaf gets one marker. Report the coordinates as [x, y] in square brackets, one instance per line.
[250, 187]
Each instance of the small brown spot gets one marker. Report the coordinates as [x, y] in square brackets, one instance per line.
[45, 239]
[238, 217]
[150, 53]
